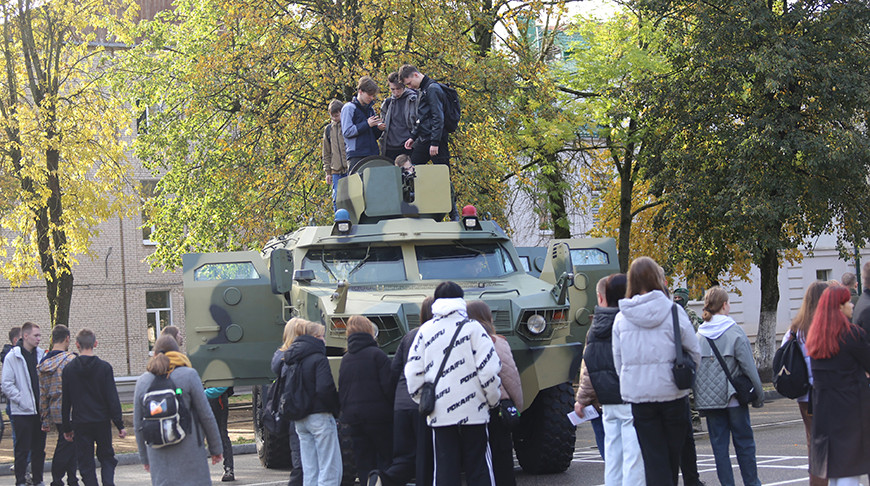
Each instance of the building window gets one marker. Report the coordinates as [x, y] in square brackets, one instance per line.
[149, 189]
[159, 309]
[823, 275]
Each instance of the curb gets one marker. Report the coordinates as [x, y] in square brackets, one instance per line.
[132, 458]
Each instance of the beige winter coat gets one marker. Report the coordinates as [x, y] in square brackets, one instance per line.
[334, 158]
[511, 387]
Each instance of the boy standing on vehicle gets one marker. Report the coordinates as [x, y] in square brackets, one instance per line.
[21, 387]
[400, 117]
[334, 155]
[89, 393]
[50, 398]
[360, 124]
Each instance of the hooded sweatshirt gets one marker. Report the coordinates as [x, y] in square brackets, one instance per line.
[644, 350]
[712, 388]
[469, 384]
[89, 391]
[310, 353]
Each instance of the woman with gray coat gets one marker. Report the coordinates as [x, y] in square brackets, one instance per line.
[715, 397]
[185, 463]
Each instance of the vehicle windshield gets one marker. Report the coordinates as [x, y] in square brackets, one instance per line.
[356, 264]
[463, 261]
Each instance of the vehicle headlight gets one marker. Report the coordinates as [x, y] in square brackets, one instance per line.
[536, 324]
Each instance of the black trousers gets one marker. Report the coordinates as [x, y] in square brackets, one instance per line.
[296, 476]
[502, 447]
[689, 457]
[64, 461]
[412, 451]
[30, 441]
[86, 435]
[221, 410]
[372, 447]
[420, 152]
[661, 432]
[462, 447]
[393, 152]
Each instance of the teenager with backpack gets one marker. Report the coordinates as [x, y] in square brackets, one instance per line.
[294, 328]
[365, 392]
[800, 327]
[840, 360]
[89, 407]
[181, 463]
[429, 138]
[316, 427]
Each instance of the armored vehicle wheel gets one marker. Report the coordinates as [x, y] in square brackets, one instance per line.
[273, 449]
[545, 440]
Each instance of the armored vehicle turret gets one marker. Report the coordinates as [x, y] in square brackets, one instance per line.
[386, 251]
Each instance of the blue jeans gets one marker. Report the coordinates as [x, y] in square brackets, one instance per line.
[321, 452]
[335, 179]
[598, 428]
[733, 423]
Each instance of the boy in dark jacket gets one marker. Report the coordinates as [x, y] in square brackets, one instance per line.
[50, 397]
[90, 406]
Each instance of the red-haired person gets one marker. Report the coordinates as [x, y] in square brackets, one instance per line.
[840, 359]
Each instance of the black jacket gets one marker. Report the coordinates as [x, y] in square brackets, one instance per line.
[365, 387]
[861, 312]
[598, 355]
[310, 353]
[841, 410]
[88, 385]
[403, 397]
[430, 113]
[6, 348]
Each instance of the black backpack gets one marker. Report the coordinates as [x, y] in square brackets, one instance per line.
[452, 108]
[790, 376]
[272, 419]
[296, 400]
[165, 418]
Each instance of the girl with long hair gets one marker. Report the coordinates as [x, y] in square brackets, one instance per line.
[727, 419]
[840, 360]
[184, 463]
[644, 351]
[800, 327]
[294, 328]
[500, 442]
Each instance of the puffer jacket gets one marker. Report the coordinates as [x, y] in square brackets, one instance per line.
[644, 351]
[50, 390]
[469, 383]
[712, 388]
[365, 386]
[511, 386]
[310, 353]
[598, 356]
[16, 382]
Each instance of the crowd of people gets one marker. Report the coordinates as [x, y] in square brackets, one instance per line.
[627, 374]
[410, 124]
[456, 365]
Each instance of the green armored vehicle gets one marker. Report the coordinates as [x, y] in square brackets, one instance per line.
[386, 252]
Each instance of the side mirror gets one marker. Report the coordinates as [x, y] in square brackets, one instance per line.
[281, 270]
[563, 270]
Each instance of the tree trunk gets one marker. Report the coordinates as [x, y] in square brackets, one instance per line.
[765, 341]
[623, 244]
[555, 185]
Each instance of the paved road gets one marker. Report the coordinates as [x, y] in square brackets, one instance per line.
[779, 437]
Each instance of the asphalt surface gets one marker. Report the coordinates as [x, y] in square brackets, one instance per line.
[779, 437]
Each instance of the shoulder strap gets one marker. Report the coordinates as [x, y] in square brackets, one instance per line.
[449, 348]
[678, 339]
[721, 362]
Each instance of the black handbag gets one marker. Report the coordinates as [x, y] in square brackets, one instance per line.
[684, 365]
[745, 390]
[427, 391]
[508, 414]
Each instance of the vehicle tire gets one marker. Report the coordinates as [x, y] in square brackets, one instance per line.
[544, 441]
[273, 449]
[348, 464]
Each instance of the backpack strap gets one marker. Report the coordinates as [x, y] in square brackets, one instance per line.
[678, 339]
[721, 362]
